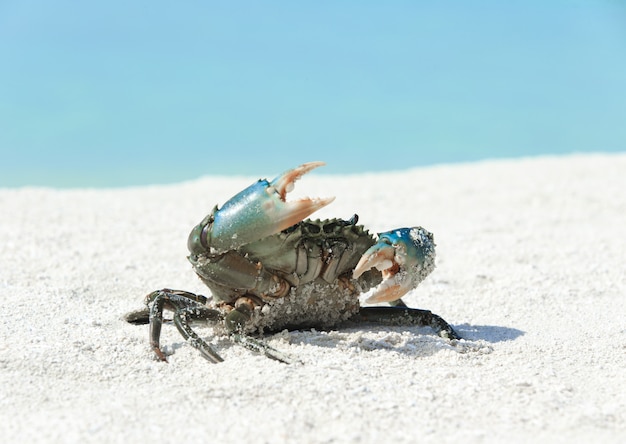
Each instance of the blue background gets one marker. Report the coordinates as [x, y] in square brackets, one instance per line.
[121, 93]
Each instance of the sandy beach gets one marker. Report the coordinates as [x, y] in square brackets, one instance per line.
[530, 271]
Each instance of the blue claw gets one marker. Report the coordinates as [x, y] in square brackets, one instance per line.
[257, 212]
[405, 256]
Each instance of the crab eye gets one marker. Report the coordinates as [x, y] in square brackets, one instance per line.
[200, 237]
[205, 235]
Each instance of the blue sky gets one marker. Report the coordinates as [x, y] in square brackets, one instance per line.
[122, 93]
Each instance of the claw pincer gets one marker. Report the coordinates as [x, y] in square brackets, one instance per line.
[257, 212]
[404, 256]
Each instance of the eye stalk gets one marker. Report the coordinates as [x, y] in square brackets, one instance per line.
[200, 237]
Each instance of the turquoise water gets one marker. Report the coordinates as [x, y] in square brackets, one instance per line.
[116, 94]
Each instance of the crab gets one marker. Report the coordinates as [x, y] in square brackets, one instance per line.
[269, 270]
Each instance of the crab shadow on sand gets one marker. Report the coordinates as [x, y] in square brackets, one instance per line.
[489, 333]
[412, 341]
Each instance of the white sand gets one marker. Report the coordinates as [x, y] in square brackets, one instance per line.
[530, 270]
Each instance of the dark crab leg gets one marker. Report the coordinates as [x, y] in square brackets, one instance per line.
[402, 315]
[187, 307]
[235, 322]
[138, 317]
[181, 320]
[260, 347]
[142, 316]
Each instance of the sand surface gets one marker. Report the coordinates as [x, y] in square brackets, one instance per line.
[530, 270]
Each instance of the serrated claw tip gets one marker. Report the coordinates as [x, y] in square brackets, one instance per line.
[295, 211]
[284, 183]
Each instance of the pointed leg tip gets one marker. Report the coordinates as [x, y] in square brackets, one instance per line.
[138, 317]
[276, 355]
[450, 334]
[160, 356]
[211, 356]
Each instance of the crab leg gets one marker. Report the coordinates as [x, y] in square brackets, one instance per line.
[260, 347]
[407, 316]
[235, 322]
[182, 317]
[187, 307]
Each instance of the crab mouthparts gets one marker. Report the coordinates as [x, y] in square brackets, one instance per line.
[297, 210]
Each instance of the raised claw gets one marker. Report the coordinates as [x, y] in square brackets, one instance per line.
[405, 256]
[261, 210]
[286, 213]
